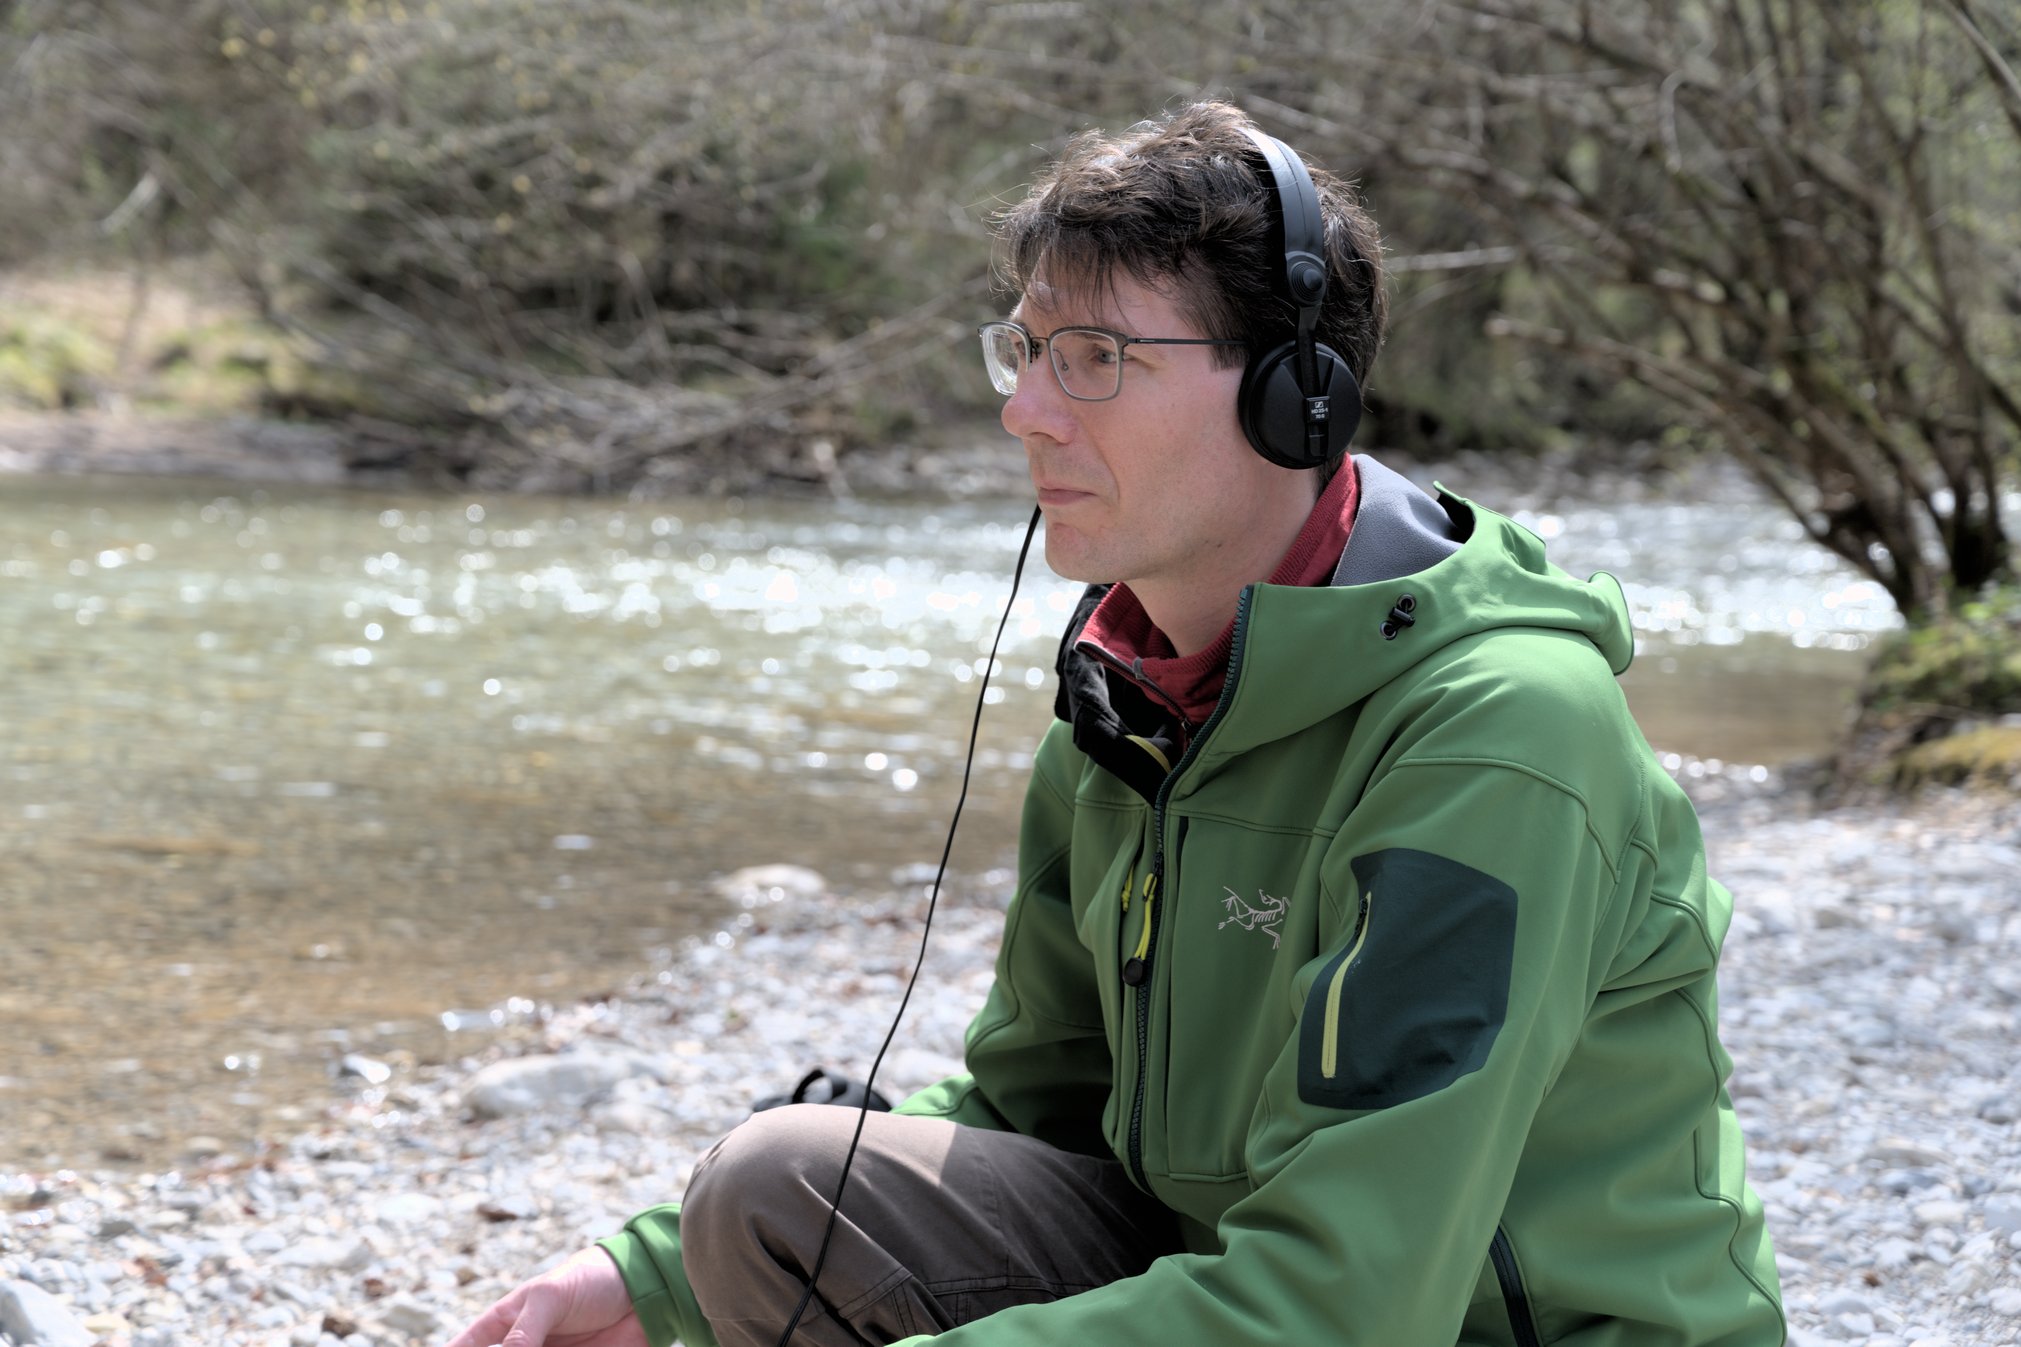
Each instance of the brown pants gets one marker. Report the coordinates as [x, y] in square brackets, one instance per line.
[941, 1224]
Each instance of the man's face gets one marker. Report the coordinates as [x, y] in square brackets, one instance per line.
[1156, 486]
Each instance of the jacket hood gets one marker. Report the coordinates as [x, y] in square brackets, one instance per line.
[1303, 654]
[1309, 653]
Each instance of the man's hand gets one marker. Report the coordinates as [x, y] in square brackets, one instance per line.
[582, 1303]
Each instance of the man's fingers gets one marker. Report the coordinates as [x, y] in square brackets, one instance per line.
[521, 1319]
[538, 1310]
[488, 1327]
[584, 1297]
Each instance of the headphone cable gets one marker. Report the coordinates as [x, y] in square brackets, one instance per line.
[932, 903]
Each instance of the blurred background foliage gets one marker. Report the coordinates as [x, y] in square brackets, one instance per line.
[586, 244]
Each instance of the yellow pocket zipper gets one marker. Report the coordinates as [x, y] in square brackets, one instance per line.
[1329, 1043]
[1134, 967]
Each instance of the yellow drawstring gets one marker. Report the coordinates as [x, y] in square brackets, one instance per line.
[1150, 897]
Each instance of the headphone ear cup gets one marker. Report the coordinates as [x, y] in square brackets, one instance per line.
[1271, 407]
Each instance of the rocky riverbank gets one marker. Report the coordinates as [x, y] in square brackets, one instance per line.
[965, 460]
[1872, 1004]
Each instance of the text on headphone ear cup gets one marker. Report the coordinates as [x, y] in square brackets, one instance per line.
[1272, 409]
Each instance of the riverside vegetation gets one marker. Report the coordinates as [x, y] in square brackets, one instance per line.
[605, 246]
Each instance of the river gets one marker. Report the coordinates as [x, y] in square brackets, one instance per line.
[293, 774]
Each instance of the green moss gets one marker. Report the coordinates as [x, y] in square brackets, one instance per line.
[232, 364]
[196, 347]
[1942, 703]
[1965, 664]
[1988, 754]
[48, 364]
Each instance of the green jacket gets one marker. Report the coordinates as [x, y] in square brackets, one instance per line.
[1398, 988]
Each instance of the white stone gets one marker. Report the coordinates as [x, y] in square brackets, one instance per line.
[409, 1209]
[629, 1115]
[410, 1318]
[1941, 1211]
[31, 1317]
[320, 1252]
[367, 1069]
[2003, 1213]
[1908, 1154]
[567, 1080]
[758, 885]
[1892, 1254]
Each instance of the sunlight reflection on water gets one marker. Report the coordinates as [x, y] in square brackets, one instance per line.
[292, 773]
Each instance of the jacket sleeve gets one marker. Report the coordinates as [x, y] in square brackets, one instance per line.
[648, 1254]
[1380, 1168]
[1037, 1055]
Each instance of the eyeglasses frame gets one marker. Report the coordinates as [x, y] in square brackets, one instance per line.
[1123, 342]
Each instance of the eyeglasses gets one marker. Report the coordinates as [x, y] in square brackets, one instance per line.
[1088, 361]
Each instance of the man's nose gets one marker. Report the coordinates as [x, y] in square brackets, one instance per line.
[1040, 405]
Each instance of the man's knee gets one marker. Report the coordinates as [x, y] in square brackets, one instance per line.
[766, 1183]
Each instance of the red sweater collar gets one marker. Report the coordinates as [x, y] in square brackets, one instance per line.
[1122, 632]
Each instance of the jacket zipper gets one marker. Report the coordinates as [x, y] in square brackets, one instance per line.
[1522, 1325]
[1137, 969]
[1329, 1043]
[1138, 964]
[1137, 974]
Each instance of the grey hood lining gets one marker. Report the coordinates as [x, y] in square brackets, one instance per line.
[1398, 529]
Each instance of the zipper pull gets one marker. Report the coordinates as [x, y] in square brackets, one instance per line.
[1138, 966]
[1129, 882]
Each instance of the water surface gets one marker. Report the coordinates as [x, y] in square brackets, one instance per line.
[290, 773]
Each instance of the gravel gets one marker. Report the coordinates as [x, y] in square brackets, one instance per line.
[1872, 1003]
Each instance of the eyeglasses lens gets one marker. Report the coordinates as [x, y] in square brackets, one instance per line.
[1004, 355]
[1088, 361]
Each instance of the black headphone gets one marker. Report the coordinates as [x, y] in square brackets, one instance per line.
[1299, 404]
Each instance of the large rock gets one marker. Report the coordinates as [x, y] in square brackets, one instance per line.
[568, 1080]
[31, 1317]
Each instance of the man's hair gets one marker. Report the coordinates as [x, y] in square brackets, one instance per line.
[1185, 204]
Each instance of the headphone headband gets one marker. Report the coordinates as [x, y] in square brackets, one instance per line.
[1303, 227]
[1299, 404]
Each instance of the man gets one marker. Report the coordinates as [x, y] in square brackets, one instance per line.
[1359, 981]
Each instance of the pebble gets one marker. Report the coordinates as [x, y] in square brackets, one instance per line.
[346, 1255]
[1870, 1000]
[367, 1069]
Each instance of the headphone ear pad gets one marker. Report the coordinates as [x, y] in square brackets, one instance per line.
[1271, 407]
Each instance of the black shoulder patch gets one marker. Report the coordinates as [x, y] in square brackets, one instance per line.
[1414, 999]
